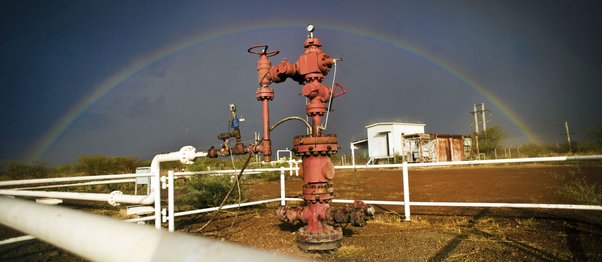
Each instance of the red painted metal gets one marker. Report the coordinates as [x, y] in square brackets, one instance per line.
[322, 230]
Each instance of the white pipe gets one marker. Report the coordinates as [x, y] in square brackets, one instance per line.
[204, 210]
[170, 201]
[297, 167]
[351, 201]
[103, 182]
[140, 219]
[111, 198]
[590, 157]
[290, 153]
[186, 155]
[68, 179]
[282, 194]
[512, 205]
[473, 162]
[16, 239]
[480, 162]
[406, 192]
[98, 238]
[352, 154]
[466, 204]
[230, 171]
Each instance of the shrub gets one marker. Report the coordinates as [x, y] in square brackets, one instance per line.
[209, 191]
[11, 170]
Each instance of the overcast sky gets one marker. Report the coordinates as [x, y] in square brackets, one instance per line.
[171, 68]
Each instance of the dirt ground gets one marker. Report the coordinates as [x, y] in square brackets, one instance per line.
[435, 233]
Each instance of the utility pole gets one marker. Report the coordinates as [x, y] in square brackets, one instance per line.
[476, 124]
[568, 136]
[476, 129]
[483, 117]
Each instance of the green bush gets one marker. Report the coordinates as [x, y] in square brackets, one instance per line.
[209, 191]
[13, 170]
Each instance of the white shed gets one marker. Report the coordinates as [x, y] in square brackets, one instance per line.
[384, 139]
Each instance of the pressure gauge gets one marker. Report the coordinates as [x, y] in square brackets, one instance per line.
[310, 28]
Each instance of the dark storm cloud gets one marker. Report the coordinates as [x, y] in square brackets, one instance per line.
[540, 58]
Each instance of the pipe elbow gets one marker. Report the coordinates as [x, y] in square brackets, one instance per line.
[282, 71]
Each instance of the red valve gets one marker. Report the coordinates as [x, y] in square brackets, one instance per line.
[264, 50]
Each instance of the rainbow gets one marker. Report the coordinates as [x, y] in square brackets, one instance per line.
[47, 140]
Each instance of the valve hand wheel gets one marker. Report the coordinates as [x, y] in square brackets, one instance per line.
[264, 50]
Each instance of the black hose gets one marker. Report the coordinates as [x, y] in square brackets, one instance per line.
[242, 170]
[293, 118]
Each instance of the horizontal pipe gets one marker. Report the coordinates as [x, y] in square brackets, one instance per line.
[479, 162]
[68, 179]
[231, 171]
[349, 201]
[589, 157]
[466, 204]
[204, 210]
[16, 239]
[116, 198]
[99, 238]
[140, 219]
[103, 182]
[475, 162]
[512, 205]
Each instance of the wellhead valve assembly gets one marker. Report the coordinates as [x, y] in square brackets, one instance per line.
[322, 230]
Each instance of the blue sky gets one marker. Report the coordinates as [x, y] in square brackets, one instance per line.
[539, 58]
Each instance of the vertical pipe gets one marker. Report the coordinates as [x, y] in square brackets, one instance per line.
[352, 154]
[170, 201]
[265, 110]
[406, 192]
[157, 186]
[315, 122]
[282, 195]
[296, 168]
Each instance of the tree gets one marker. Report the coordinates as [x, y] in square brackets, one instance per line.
[11, 170]
[103, 165]
[595, 133]
[491, 139]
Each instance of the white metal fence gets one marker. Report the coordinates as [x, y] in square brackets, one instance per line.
[168, 214]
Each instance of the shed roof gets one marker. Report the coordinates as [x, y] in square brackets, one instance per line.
[394, 123]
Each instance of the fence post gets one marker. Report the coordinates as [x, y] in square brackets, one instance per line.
[406, 191]
[282, 195]
[157, 190]
[170, 201]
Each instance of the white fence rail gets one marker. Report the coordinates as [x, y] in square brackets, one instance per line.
[168, 215]
[100, 238]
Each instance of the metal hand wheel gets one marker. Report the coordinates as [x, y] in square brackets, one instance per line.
[264, 50]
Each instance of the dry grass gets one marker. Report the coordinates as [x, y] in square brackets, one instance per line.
[350, 250]
[578, 189]
[397, 220]
[528, 222]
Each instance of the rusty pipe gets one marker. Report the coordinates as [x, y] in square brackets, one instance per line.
[316, 124]
[267, 145]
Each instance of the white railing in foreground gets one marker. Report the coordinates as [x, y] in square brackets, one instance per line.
[406, 201]
[68, 179]
[100, 238]
[169, 214]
